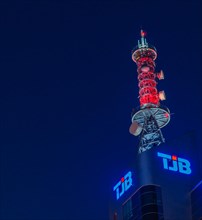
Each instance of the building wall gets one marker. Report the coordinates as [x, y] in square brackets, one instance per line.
[176, 186]
[196, 201]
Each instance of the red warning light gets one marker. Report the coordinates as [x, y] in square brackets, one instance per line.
[166, 115]
[122, 179]
[174, 157]
[143, 33]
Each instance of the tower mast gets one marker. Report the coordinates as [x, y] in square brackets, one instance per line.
[150, 116]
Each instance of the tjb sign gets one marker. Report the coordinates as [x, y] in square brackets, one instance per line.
[123, 185]
[170, 162]
[175, 163]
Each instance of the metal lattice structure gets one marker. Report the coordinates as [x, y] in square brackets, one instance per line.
[150, 117]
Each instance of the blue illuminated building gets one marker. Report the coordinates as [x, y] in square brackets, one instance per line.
[162, 190]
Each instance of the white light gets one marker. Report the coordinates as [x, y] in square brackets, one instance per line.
[135, 129]
[162, 95]
[145, 69]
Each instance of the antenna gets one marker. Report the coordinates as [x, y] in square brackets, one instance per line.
[150, 117]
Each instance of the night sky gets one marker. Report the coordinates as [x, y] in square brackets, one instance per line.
[67, 89]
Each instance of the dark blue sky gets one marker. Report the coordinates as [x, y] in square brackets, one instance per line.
[67, 88]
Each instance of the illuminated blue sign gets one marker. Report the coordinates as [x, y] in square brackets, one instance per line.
[175, 163]
[123, 185]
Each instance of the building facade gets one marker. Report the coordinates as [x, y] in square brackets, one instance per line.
[145, 203]
[164, 184]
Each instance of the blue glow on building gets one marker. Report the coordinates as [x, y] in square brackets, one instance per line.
[123, 185]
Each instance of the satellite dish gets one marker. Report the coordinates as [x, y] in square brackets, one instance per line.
[162, 95]
[135, 129]
[160, 75]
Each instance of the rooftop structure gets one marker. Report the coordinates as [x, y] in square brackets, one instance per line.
[151, 116]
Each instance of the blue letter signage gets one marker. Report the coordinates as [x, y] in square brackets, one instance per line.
[123, 185]
[175, 163]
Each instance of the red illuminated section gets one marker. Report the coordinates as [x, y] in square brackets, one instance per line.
[147, 83]
[122, 179]
[145, 57]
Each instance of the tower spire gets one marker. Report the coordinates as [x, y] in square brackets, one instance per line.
[143, 42]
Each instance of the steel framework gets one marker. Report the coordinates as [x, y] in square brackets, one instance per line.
[150, 117]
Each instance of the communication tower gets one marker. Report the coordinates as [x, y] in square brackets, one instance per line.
[150, 116]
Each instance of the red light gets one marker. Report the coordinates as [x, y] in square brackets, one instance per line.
[122, 179]
[143, 33]
[166, 115]
[174, 157]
